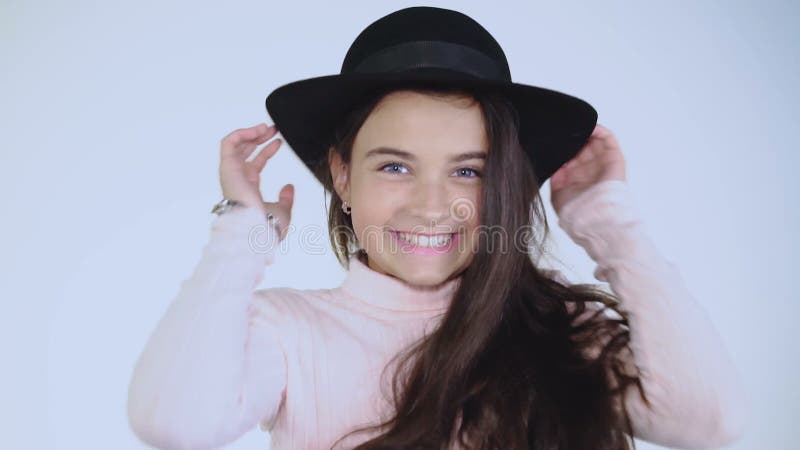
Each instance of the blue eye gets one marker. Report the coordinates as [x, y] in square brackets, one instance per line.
[394, 164]
[477, 173]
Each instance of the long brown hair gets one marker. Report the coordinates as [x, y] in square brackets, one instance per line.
[518, 360]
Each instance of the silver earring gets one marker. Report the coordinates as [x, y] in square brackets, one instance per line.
[346, 208]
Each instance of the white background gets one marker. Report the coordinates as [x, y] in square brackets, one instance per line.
[112, 113]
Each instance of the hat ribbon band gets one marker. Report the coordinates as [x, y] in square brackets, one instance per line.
[437, 54]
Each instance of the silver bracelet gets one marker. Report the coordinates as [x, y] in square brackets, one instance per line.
[226, 204]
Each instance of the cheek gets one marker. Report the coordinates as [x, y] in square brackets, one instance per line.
[469, 214]
[465, 208]
[369, 222]
[465, 205]
[471, 237]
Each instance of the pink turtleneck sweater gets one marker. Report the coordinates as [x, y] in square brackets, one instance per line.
[305, 365]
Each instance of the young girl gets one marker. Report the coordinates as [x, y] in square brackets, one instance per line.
[445, 333]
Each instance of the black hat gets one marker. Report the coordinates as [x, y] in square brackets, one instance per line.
[424, 43]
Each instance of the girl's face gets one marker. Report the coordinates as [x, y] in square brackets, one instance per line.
[414, 185]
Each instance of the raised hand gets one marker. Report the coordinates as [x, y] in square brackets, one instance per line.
[240, 178]
[599, 160]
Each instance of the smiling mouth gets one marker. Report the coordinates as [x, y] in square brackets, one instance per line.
[439, 240]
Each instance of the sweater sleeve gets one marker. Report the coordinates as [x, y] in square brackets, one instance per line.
[698, 400]
[210, 371]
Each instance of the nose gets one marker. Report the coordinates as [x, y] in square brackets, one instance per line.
[430, 202]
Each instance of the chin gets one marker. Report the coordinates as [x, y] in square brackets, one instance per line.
[424, 276]
[426, 281]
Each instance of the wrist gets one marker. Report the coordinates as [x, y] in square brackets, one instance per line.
[227, 204]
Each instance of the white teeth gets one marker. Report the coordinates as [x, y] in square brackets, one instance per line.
[425, 241]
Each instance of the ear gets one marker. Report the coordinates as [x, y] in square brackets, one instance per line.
[339, 174]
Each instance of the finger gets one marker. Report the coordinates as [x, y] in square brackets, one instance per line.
[245, 134]
[240, 140]
[249, 147]
[267, 152]
[593, 148]
[246, 148]
[578, 159]
[601, 130]
[611, 141]
[606, 136]
[556, 181]
[585, 155]
[286, 196]
[576, 165]
[597, 148]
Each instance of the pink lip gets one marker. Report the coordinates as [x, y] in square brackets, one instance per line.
[418, 234]
[417, 250]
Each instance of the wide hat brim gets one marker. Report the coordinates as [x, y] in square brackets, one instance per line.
[553, 126]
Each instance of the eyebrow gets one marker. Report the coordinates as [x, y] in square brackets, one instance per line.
[410, 156]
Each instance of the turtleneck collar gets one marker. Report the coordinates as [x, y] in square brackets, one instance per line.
[388, 292]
